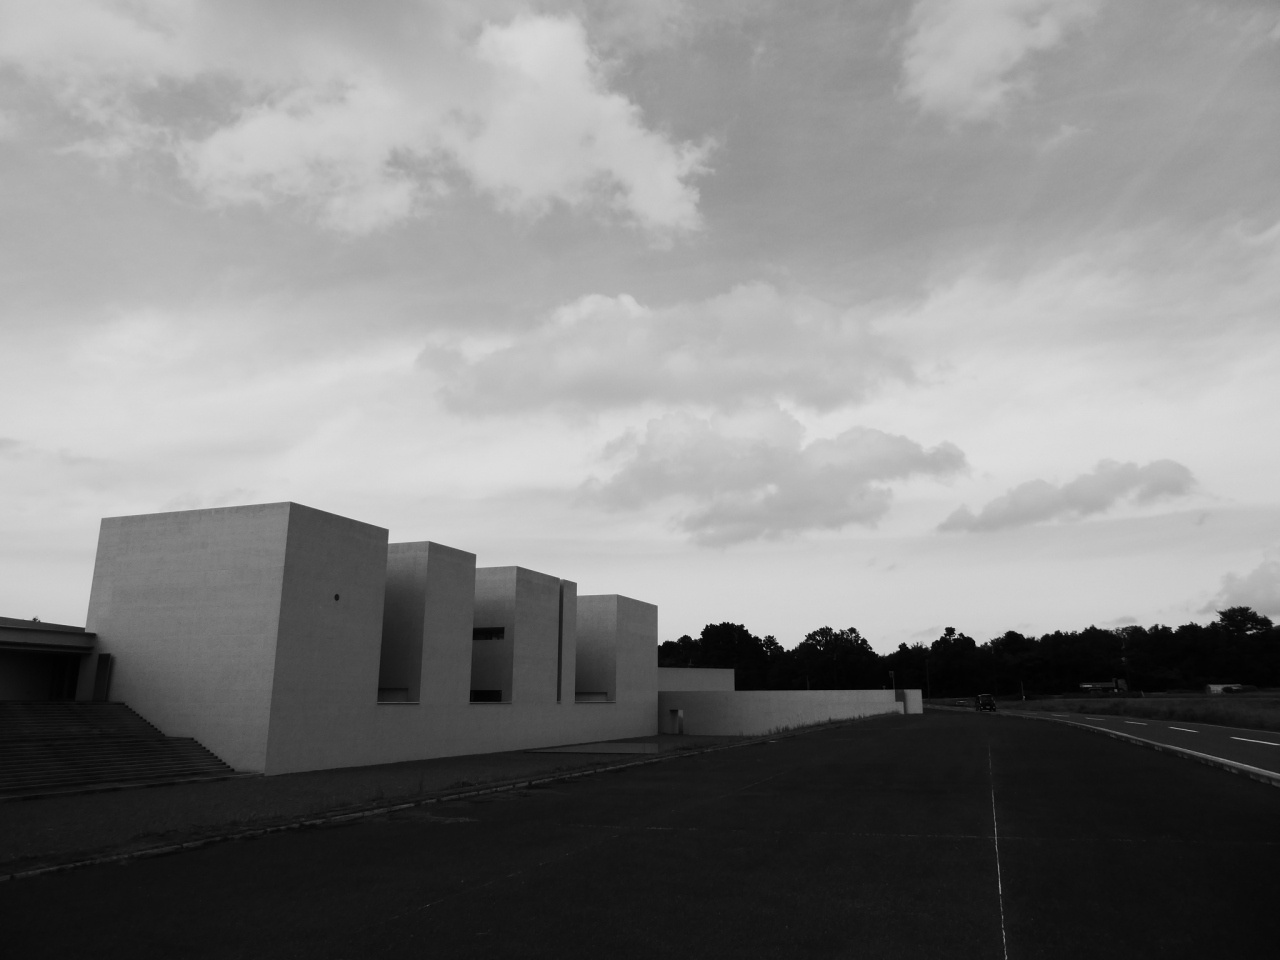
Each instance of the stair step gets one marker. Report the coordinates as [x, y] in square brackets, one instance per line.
[53, 747]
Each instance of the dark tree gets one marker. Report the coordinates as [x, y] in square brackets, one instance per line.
[1241, 646]
[753, 659]
[829, 659]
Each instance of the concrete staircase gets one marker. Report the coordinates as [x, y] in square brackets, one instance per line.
[65, 747]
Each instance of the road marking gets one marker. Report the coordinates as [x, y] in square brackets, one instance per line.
[995, 838]
[1269, 743]
[1184, 729]
[1136, 723]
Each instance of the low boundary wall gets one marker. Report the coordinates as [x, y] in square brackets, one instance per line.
[748, 713]
[695, 678]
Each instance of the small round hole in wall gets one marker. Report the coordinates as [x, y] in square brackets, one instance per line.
[335, 596]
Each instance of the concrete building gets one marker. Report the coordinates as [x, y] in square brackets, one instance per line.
[284, 638]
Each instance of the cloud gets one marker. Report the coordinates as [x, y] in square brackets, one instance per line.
[363, 115]
[1110, 482]
[961, 57]
[764, 482]
[751, 344]
[1259, 588]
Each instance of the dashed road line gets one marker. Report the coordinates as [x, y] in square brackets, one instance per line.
[1269, 743]
[1136, 723]
[1271, 777]
[1184, 729]
[995, 839]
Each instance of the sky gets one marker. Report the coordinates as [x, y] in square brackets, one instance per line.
[873, 313]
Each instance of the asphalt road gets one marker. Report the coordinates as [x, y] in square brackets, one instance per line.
[1257, 748]
[935, 836]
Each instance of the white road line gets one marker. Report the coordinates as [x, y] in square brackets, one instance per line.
[1184, 729]
[1136, 723]
[1269, 743]
[995, 838]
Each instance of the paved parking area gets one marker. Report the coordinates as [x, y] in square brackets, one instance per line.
[942, 835]
[65, 829]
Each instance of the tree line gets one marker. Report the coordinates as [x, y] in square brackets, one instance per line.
[1240, 646]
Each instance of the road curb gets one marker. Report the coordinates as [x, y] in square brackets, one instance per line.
[1231, 766]
[121, 785]
[336, 818]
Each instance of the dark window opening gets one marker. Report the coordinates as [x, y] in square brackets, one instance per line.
[64, 675]
[486, 696]
[488, 633]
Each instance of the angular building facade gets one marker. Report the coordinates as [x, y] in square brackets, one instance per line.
[284, 638]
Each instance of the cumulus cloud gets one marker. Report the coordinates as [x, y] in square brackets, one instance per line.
[363, 115]
[962, 57]
[764, 481]
[1259, 588]
[1109, 483]
[751, 344]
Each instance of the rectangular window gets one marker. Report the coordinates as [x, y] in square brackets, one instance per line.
[490, 665]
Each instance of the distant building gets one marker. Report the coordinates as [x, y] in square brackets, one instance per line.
[1105, 686]
[284, 638]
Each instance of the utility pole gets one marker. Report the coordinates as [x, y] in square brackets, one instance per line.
[928, 687]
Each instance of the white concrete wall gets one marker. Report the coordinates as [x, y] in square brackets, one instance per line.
[695, 678]
[568, 649]
[446, 624]
[537, 649]
[758, 712]
[637, 651]
[596, 675]
[492, 660]
[189, 604]
[225, 628]
[260, 631]
[326, 671]
[426, 622]
[403, 614]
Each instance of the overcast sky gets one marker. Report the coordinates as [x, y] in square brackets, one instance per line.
[875, 313]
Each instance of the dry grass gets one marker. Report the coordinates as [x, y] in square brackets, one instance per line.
[1256, 712]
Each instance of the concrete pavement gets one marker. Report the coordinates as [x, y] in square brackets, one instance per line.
[1256, 748]
[943, 835]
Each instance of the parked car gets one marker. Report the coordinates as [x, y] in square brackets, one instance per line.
[985, 701]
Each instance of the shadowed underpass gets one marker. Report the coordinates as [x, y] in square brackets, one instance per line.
[875, 839]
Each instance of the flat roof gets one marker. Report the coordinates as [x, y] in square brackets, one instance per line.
[38, 637]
